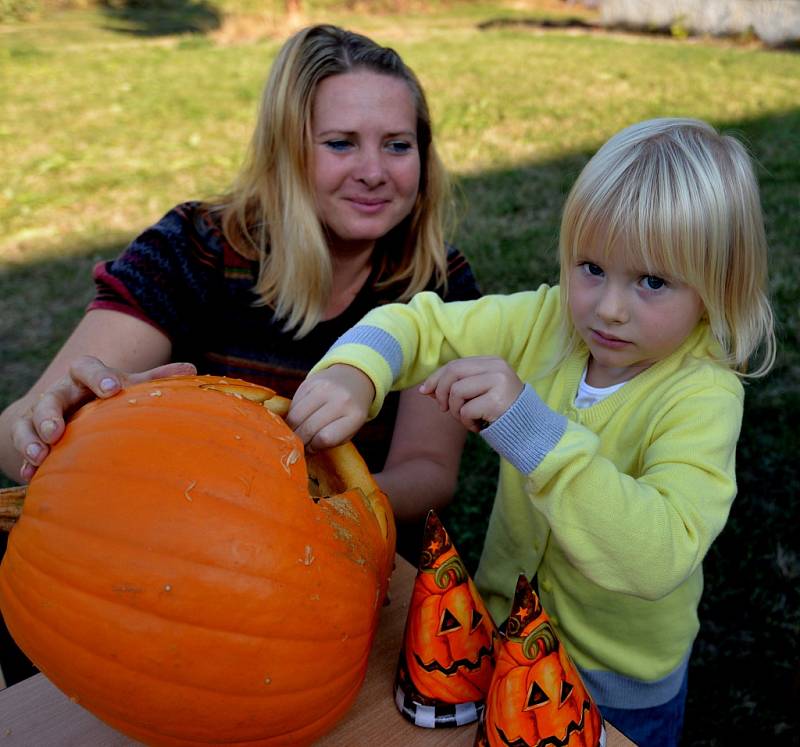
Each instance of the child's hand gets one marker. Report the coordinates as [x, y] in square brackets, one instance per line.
[330, 406]
[476, 391]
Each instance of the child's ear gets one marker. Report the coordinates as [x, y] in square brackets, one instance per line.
[704, 317]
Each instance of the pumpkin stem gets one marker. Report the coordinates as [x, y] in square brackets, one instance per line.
[11, 500]
[442, 575]
[544, 633]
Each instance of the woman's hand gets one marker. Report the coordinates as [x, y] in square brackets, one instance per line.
[330, 406]
[475, 391]
[34, 432]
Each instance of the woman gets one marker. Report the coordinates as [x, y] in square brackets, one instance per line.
[338, 208]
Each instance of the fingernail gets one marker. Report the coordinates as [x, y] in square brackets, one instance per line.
[32, 451]
[26, 471]
[47, 428]
[108, 385]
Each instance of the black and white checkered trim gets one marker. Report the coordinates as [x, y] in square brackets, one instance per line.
[439, 716]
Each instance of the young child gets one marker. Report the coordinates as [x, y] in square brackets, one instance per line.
[615, 401]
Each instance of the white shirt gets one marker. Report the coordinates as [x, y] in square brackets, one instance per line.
[589, 395]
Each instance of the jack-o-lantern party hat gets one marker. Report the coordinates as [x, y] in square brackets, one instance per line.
[447, 658]
[537, 697]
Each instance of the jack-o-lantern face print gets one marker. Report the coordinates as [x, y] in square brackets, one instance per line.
[450, 638]
[537, 698]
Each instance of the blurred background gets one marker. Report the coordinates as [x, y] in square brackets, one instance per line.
[115, 110]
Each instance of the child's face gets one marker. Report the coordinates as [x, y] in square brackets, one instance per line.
[628, 318]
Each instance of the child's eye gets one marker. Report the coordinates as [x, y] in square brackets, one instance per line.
[653, 282]
[590, 268]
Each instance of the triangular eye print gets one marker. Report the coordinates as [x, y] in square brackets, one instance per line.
[447, 658]
[449, 622]
[537, 698]
[477, 619]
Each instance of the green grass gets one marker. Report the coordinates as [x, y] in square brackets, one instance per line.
[108, 119]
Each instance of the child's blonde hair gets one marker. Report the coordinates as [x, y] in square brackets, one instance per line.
[270, 212]
[683, 201]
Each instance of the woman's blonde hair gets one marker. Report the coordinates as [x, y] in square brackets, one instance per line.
[270, 212]
[682, 200]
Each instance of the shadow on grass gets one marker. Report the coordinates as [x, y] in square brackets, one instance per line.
[565, 22]
[40, 303]
[743, 676]
[161, 17]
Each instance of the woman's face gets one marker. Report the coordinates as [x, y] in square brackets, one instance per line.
[366, 161]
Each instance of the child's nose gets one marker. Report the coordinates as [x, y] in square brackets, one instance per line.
[612, 307]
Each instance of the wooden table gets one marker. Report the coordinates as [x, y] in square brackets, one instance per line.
[33, 713]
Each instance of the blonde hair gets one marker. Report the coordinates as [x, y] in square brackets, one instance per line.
[270, 214]
[681, 199]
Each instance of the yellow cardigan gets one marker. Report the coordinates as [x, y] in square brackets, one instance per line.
[612, 507]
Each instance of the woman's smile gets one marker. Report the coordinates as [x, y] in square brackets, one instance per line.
[370, 205]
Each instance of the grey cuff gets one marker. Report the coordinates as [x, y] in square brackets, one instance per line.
[377, 339]
[526, 432]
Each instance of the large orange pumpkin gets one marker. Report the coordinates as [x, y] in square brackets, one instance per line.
[186, 573]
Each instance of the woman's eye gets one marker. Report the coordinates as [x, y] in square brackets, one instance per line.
[398, 146]
[653, 282]
[338, 145]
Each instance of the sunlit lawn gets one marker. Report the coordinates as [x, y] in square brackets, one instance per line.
[102, 130]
